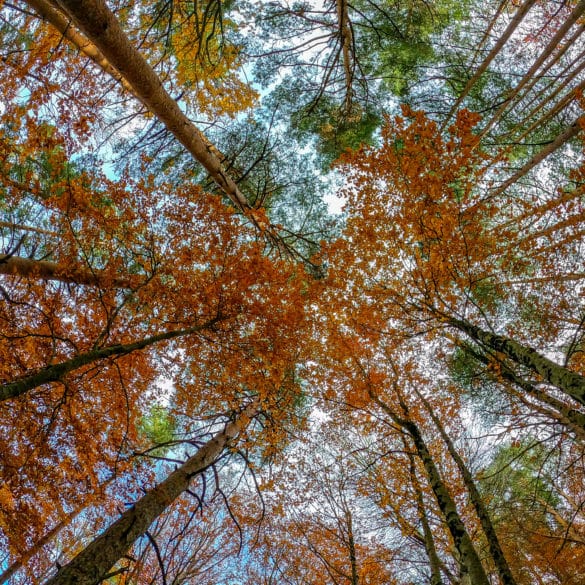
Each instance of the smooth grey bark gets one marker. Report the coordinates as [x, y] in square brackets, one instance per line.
[494, 546]
[102, 28]
[57, 371]
[62, 23]
[569, 97]
[26, 228]
[92, 564]
[564, 379]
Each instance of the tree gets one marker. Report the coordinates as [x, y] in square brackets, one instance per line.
[445, 251]
[93, 563]
[344, 58]
[161, 221]
[534, 498]
[319, 528]
[496, 552]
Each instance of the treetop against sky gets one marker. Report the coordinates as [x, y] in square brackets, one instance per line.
[207, 377]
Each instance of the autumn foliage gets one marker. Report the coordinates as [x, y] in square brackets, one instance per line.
[190, 344]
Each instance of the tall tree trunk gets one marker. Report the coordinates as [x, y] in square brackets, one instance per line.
[469, 557]
[502, 40]
[470, 561]
[26, 228]
[62, 23]
[92, 564]
[429, 541]
[570, 382]
[486, 523]
[351, 546]
[530, 76]
[346, 40]
[570, 96]
[25, 557]
[57, 371]
[102, 28]
[34, 550]
[559, 141]
[565, 415]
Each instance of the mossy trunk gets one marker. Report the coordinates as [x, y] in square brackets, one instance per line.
[352, 551]
[470, 562]
[495, 549]
[570, 382]
[429, 541]
[56, 372]
[567, 416]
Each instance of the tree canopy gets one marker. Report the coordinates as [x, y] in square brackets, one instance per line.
[292, 292]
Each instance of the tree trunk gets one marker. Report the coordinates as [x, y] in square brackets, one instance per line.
[486, 523]
[62, 23]
[26, 228]
[530, 76]
[25, 557]
[429, 541]
[57, 371]
[470, 562]
[469, 557]
[351, 546]
[570, 96]
[102, 28]
[564, 379]
[502, 40]
[565, 415]
[559, 141]
[29, 268]
[17, 565]
[346, 40]
[92, 564]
